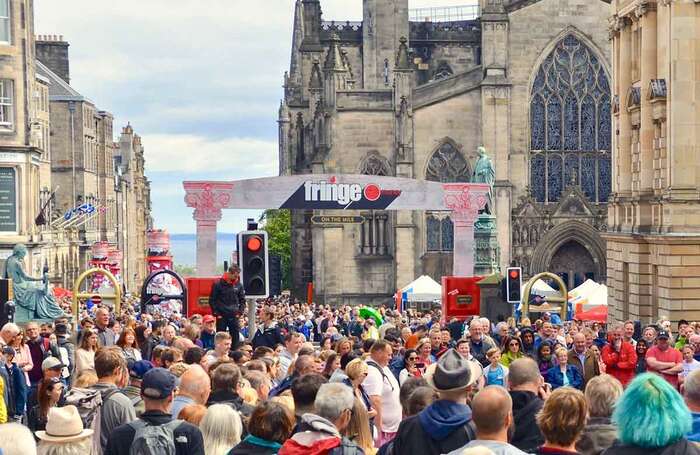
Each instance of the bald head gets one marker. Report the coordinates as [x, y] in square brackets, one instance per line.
[195, 383]
[491, 409]
[580, 343]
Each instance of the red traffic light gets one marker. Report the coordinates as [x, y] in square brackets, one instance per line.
[514, 274]
[254, 244]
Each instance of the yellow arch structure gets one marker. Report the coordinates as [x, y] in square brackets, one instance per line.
[77, 295]
[560, 300]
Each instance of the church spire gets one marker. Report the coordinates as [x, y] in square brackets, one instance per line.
[297, 38]
[334, 58]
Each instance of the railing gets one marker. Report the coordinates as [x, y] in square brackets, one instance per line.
[341, 25]
[444, 14]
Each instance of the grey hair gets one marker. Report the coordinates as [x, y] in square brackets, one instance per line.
[81, 447]
[692, 387]
[17, 439]
[10, 327]
[332, 399]
[524, 371]
[500, 325]
[602, 392]
[221, 429]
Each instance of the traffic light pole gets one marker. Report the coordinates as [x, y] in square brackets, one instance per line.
[251, 318]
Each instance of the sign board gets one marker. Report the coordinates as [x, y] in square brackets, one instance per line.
[8, 200]
[334, 219]
[96, 299]
[335, 192]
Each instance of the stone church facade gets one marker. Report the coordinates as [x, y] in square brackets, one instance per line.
[528, 79]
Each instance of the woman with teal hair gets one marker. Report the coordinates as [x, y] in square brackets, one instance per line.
[652, 419]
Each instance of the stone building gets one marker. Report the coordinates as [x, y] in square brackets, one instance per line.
[25, 152]
[413, 94]
[87, 166]
[653, 240]
[133, 195]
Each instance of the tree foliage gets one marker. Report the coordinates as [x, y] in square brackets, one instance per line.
[278, 224]
[185, 270]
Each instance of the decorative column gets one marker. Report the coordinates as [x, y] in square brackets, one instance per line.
[207, 199]
[465, 200]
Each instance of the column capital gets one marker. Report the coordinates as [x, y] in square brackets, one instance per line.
[644, 7]
[207, 199]
[465, 200]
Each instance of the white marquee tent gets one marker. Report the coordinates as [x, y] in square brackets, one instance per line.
[422, 289]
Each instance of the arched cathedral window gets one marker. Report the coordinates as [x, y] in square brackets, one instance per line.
[570, 124]
[446, 165]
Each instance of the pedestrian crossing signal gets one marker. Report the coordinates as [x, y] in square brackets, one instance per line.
[254, 264]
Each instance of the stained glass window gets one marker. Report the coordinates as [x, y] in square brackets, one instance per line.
[570, 124]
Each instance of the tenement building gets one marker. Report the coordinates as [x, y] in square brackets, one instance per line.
[25, 149]
[57, 153]
[413, 93]
[653, 240]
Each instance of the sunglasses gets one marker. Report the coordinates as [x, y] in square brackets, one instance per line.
[514, 344]
[413, 358]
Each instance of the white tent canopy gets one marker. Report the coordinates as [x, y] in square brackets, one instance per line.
[423, 289]
[539, 287]
[589, 295]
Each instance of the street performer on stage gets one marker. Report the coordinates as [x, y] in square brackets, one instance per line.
[227, 300]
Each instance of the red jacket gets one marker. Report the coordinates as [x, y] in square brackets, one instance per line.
[620, 365]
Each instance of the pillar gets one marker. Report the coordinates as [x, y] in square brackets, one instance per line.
[465, 201]
[207, 199]
[624, 156]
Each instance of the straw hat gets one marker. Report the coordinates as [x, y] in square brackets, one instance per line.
[64, 425]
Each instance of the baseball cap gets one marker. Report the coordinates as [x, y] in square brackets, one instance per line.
[208, 318]
[8, 350]
[138, 368]
[158, 383]
[51, 363]
[663, 334]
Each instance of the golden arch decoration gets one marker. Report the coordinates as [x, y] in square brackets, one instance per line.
[77, 295]
[560, 300]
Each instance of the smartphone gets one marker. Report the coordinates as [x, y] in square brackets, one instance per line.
[547, 387]
[420, 366]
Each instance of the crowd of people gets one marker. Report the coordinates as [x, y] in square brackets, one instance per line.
[319, 380]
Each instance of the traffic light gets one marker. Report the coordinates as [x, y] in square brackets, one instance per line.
[253, 261]
[514, 283]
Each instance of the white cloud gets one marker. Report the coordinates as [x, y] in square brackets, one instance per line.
[187, 154]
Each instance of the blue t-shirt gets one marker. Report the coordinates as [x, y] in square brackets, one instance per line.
[496, 376]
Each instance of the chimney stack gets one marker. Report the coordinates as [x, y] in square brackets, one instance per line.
[52, 51]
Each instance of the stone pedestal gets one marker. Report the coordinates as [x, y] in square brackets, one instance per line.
[487, 254]
[465, 201]
[207, 199]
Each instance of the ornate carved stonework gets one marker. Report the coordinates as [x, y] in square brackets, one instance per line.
[464, 201]
[207, 199]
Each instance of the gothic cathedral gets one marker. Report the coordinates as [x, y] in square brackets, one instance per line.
[411, 95]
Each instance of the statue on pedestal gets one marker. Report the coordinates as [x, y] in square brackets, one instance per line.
[32, 301]
[485, 173]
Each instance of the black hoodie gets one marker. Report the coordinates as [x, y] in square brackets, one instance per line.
[527, 436]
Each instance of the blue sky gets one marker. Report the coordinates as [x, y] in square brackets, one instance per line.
[199, 80]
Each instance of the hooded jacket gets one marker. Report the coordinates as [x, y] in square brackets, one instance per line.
[226, 299]
[318, 436]
[682, 447]
[527, 436]
[440, 428]
[598, 435]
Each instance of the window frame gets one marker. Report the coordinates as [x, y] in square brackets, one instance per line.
[7, 125]
[8, 20]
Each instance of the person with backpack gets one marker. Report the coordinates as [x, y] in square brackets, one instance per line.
[112, 376]
[156, 433]
[39, 348]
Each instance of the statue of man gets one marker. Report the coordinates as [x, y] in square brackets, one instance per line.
[485, 173]
[33, 302]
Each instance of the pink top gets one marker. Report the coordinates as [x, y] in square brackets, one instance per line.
[24, 357]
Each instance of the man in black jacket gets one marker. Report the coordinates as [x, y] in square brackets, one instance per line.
[225, 388]
[527, 389]
[227, 300]
[446, 424]
[268, 334]
[157, 389]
